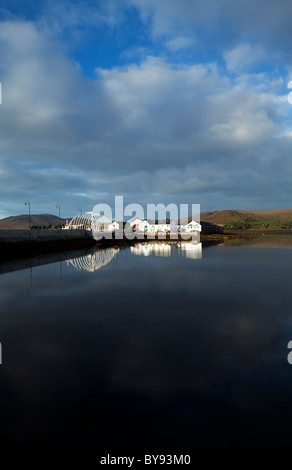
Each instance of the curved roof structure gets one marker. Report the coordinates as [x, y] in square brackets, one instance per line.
[94, 261]
[88, 220]
[83, 219]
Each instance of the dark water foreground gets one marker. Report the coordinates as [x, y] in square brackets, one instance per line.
[169, 350]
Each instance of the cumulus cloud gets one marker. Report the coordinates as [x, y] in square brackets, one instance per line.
[223, 20]
[167, 130]
[243, 57]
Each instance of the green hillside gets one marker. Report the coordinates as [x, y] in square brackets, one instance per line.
[250, 220]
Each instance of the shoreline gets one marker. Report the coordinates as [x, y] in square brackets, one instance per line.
[19, 249]
[35, 252]
[10, 250]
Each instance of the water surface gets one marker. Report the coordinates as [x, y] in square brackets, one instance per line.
[167, 349]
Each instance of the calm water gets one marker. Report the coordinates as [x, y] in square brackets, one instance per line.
[148, 349]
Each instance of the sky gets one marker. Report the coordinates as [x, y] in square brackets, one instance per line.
[169, 101]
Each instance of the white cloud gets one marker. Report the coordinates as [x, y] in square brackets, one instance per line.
[72, 18]
[243, 57]
[169, 130]
[179, 43]
[221, 22]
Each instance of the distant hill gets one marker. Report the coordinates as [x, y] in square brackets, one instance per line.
[249, 219]
[228, 219]
[20, 222]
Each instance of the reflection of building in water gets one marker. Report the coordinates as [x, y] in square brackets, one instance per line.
[147, 249]
[191, 250]
[95, 260]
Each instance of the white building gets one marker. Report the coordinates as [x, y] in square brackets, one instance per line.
[115, 226]
[149, 226]
[192, 226]
[138, 225]
[161, 225]
[164, 226]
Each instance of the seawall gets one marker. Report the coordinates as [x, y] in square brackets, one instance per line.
[10, 236]
[24, 243]
[19, 244]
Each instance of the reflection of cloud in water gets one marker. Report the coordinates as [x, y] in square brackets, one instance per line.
[190, 250]
[156, 249]
[95, 260]
[165, 347]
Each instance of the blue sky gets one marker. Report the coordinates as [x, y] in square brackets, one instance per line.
[163, 101]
